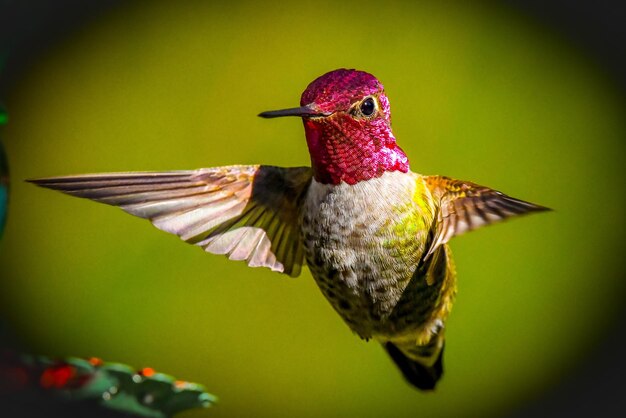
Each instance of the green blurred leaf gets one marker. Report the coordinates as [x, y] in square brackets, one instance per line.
[113, 385]
[4, 117]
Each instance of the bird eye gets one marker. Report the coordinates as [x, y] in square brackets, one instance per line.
[368, 107]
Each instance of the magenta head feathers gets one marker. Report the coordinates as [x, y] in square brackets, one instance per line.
[347, 121]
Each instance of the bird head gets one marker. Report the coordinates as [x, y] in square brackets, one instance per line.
[347, 122]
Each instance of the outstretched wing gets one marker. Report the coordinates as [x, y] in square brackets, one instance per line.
[246, 212]
[464, 206]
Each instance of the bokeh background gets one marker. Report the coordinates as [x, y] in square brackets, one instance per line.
[488, 92]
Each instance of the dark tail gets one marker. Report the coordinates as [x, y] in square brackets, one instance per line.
[419, 375]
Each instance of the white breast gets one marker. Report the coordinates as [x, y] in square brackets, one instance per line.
[351, 244]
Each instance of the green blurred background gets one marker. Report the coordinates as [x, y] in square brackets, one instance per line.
[478, 92]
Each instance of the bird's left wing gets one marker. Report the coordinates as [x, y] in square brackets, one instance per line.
[245, 212]
[464, 206]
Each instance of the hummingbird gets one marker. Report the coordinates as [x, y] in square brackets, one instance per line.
[373, 233]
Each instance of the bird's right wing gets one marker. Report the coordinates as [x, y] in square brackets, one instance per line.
[245, 212]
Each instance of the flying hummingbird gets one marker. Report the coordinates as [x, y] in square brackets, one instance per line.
[373, 233]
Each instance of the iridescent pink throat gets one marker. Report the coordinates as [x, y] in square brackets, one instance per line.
[349, 150]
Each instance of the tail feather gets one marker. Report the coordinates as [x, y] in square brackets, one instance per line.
[421, 376]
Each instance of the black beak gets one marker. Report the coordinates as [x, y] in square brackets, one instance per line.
[307, 111]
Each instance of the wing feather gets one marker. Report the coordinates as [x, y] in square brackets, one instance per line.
[245, 212]
[464, 206]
